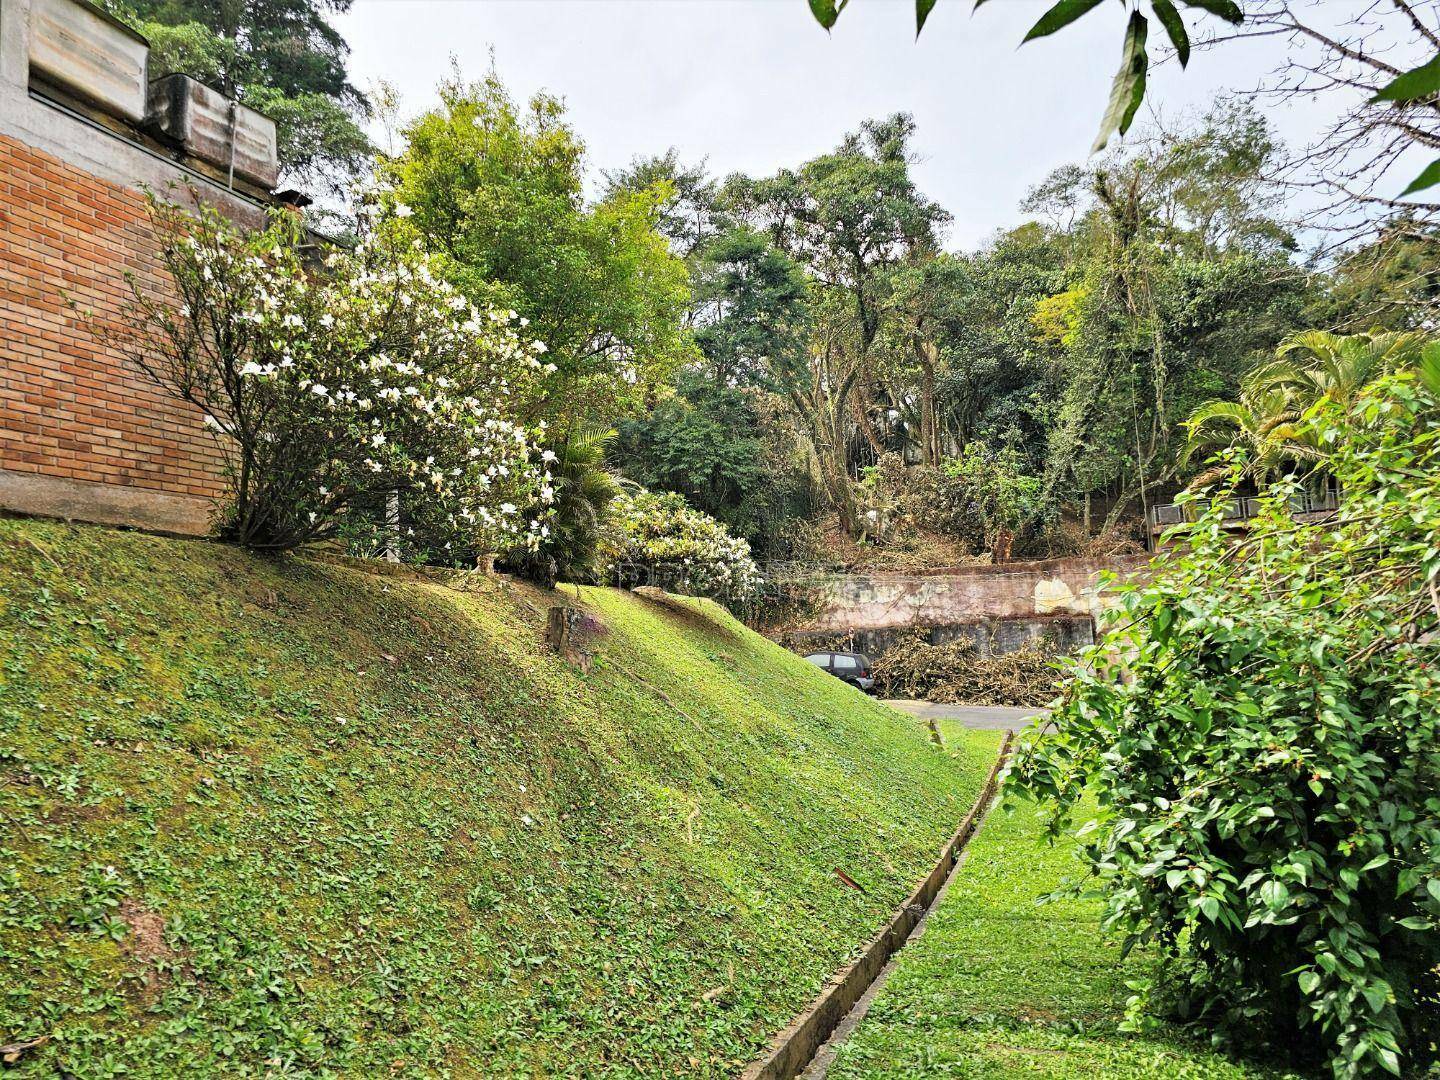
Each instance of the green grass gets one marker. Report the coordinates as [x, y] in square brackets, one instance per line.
[288, 818]
[1000, 988]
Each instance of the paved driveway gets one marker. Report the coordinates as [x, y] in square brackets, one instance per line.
[980, 717]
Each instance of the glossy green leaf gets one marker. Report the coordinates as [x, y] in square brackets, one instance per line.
[1377, 995]
[1174, 26]
[1427, 179]
[825, 12]
[1128, 89]
[1430, 366]
[922, 12]
[1414, 85]
[1060, 16]
[1225, 9]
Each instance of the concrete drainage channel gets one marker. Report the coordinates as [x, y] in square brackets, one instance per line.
[807, 1046]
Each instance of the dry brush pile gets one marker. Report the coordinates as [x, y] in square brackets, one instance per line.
[956, 673]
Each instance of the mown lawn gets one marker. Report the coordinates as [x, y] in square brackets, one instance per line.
[999, 987]
[266, 817]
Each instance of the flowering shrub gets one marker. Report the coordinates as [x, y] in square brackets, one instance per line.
[1263, 737]
[695, 553]
[332, 386]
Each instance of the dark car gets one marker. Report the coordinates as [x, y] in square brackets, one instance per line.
[853, 667]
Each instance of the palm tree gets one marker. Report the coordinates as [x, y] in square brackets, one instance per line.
[1308, 367]
[1317, 364]
[1264, 422]
[584, 488]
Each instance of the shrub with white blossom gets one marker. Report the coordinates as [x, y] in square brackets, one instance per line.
[691, 551]
[330, 385]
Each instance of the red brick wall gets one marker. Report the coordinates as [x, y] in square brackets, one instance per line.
[70, 407]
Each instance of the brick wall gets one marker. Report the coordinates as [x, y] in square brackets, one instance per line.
[72, 409]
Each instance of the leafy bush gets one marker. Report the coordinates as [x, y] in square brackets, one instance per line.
[569, 543]
[682, 548]
[328, 388]
[1262, 738]
[982, 498]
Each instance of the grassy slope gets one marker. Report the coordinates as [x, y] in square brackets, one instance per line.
[1000, 988]
[292, 818]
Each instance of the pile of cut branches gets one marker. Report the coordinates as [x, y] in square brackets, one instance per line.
[956, 673]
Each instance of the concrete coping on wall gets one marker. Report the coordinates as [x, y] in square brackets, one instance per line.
[1039, 567]
[794, 1048]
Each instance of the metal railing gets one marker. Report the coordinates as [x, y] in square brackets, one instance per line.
[1243, 508]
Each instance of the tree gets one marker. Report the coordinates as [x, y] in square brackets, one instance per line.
[751, 309]
[1316, 363]
[690, 213]
[848, 217]
[1356, 59]
[331, 388]
[1391, 282]
[496, 192]
[1179, 275]
[1262, 422]
[280, 57]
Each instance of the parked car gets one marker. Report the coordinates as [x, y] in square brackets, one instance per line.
[852, 667]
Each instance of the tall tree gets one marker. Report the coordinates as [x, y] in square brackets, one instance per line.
[849, 217]
[497, 190]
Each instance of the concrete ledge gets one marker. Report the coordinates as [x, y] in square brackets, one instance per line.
[104, 504]
[797, 1044]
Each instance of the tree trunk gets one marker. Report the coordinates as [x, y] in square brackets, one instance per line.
[926, 352]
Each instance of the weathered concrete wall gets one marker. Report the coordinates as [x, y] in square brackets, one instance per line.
[965, 595]
[82, 434]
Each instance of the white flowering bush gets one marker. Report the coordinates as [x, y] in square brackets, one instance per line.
[336, 384]
[690, 550]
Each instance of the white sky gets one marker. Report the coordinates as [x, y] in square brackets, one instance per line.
[754, 85]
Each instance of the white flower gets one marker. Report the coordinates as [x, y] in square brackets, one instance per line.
[318, 388]
[403, 211]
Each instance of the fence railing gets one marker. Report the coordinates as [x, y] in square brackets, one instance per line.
[1243, 508]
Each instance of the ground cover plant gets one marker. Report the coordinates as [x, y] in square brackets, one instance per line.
[1261, 736]
[282, 817]
[1002, 987]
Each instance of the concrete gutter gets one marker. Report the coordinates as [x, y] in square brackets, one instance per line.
[792, 1050]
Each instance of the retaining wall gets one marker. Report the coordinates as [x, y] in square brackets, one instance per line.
[989, 636]
[970, 594]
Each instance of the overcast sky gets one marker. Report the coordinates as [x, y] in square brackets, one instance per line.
[753, 85]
